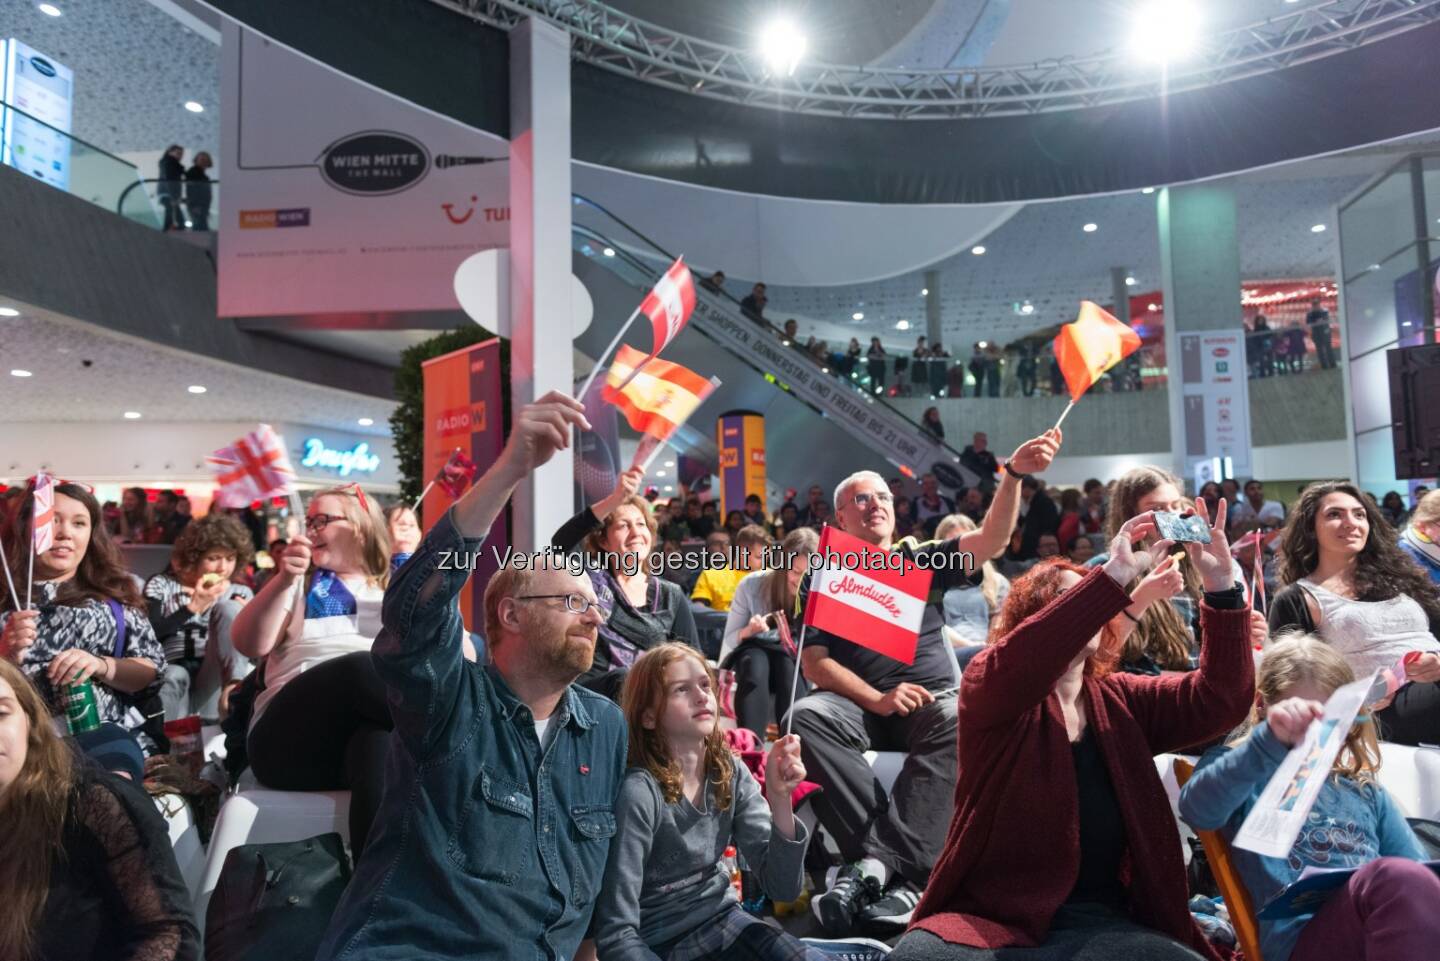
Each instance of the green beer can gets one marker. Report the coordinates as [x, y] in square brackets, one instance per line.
[82, 711]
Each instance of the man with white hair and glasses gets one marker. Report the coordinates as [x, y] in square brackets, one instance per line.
[865, 701]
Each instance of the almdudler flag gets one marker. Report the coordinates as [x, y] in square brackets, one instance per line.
[869, 596]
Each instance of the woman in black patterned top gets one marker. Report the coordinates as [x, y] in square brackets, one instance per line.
[86, 869]
[183, 602]
[87, 621]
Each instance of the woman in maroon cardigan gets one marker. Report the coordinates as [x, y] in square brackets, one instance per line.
[1063, 841]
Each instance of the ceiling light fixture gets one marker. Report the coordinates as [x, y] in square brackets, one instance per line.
[195, 389]
[609, 251]
[669, 463]
[17, 372]
[1129, 281]
[782, 45]
[902, 325]
[1318, 229]
[9, 312]
[132, 415]
[365, 421]
[1147, 190]
[1090, 228]
[49, 9]
[659, 473]
[1165, 31]
[857, 316]
[668, 488]
[978, 250]
[924, 291]
[194, 106]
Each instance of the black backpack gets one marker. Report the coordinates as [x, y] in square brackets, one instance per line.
[273, 902]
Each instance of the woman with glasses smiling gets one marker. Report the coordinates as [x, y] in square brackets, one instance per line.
[320, 721]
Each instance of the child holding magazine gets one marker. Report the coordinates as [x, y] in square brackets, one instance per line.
[685, 800]
[1387, 909]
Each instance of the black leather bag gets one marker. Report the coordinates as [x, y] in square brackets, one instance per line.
[273, 902]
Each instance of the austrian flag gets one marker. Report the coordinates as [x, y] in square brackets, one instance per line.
[859, 593]
[669, 304]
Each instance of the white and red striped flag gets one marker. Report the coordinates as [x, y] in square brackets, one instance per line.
[869, 596]
[42, 519]
[255, 467]
[669, 304]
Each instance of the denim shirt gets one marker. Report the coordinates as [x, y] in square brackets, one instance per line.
[486, 844]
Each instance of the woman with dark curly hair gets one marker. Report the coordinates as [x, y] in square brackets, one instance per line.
[88, 623]
[185, 600]
[1347, 580]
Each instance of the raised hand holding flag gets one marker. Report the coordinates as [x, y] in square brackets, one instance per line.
[1088, 347]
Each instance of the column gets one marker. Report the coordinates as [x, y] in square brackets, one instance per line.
[933, 333]
[541, 350]
[1204, 329]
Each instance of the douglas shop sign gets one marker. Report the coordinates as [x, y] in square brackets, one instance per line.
[357, 459]
[374, 162]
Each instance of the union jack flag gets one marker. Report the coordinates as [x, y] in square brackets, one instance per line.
[42, 520]
[254, 468]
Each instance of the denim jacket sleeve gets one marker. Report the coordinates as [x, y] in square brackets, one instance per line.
[418, 651]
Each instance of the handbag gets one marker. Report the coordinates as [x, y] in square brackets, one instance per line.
[273, 902]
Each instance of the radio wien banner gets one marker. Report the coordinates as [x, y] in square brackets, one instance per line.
[338, 197]
[462, 410]
[868, 596]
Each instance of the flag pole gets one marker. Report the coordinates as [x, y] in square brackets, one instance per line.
[600, 361]
[9, 578]
[795, 681]
[30, 579]
[1063, 414]
[421, 499]
[661, 445]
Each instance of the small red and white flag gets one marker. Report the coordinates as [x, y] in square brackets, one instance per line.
[1255, 588]
[669, 304]
[42, 520]
[255, 467]
[457, 474]
[859, 593]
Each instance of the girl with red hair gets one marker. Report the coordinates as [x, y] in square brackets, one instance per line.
[1063, 840]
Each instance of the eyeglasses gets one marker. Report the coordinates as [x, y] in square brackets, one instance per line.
[863, 501]
[575, 603]
[318, 522]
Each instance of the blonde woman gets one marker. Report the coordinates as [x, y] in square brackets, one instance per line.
[970, 608]
[86, 869]
[1387, 908]
[320, 721]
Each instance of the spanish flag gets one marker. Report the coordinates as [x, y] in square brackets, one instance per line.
[659, 397]
[1091, 345]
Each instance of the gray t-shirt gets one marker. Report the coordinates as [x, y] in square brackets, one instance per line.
[664, 878]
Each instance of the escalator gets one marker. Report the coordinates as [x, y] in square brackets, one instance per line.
[760, 371]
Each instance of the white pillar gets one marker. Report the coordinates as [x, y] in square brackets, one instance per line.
[541, 351]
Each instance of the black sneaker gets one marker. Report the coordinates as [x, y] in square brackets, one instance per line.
[891, 912]
[849, 893]
[848, 949]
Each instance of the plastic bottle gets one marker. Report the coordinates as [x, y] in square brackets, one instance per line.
[731, 861]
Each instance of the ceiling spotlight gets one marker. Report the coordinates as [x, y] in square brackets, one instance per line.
[668, 488]
[1090, 228]
[609, 251]
[9, 312]
[782, 45]
[924, 291]
[669, 463]
[1129, 281]
[659, 473]
[1147, 190]
[132, 415]
[984, 344]
[1165, 30]
[1027, 308]
[365, 421]
[857, 316]
[1152, 308]
[195, 389]
[1318, 229]
[902, 325]
[17, 372]
[194, 106]
[49, 9]
[977, 250]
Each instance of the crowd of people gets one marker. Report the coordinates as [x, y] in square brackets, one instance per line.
[571, 777]
[185, 194]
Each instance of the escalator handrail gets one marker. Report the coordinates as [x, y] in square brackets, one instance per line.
[141, 181]
[726, 295]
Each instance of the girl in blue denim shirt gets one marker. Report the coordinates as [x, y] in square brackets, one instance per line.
[1388, 908]
[684, 800]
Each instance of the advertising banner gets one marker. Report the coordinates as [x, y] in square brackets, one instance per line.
[44, 89]
[341, 198]
[463, 410]
[1216, 399]
[740, 437]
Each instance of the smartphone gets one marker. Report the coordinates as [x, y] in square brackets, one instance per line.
[1173, 527]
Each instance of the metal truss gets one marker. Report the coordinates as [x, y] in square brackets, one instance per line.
[614, 41]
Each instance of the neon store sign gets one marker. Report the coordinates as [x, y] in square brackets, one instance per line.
[357, 459]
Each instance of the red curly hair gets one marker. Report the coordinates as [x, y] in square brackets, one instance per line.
[1034, 591]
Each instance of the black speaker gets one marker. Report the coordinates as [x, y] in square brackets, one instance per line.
[1415, 409]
